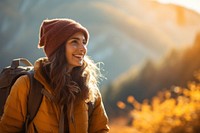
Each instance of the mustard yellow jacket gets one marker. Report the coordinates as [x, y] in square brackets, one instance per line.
[48, 116]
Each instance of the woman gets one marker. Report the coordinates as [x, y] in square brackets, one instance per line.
[69, 78]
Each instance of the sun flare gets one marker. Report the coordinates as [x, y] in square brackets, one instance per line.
[194, 4]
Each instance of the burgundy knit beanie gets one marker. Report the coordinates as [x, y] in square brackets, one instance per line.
[54, 32]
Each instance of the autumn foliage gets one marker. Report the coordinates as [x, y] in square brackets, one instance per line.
[171, 111]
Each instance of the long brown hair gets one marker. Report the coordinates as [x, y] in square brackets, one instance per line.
[82, 80]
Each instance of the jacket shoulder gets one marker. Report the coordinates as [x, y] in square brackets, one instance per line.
[22, 82]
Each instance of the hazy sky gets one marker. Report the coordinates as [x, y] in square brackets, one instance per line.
[192, 4]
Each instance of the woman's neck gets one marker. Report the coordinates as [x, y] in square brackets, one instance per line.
[69, 70]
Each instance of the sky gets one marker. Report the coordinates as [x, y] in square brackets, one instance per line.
[191, 4]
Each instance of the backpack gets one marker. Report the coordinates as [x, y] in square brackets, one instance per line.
[9, 75]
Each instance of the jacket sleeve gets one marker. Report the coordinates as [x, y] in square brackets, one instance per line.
[98, 122]
[15, 107]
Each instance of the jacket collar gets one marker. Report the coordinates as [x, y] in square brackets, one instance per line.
[38, 75]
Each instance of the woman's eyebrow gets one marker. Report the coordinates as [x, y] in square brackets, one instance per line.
[76, 38]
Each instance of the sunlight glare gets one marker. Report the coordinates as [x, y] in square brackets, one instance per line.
[194, 4]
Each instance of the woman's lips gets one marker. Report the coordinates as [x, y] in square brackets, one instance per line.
[80, 56]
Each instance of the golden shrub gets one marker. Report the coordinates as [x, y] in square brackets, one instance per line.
[176, 111]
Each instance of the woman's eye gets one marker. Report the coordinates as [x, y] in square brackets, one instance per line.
[74, 42]
[84, 42]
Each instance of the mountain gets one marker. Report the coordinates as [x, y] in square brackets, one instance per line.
[176, 69]
[123, 33]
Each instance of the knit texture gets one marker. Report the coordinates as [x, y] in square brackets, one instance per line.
[54, 32]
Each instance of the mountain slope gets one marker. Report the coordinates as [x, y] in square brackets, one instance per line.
[176, 69]
[123, 33]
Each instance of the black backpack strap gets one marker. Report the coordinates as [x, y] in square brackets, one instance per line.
[90, 111]
[90, 108]
[34, 98]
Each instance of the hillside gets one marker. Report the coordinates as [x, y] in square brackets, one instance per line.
[123, 33]
[176, 69]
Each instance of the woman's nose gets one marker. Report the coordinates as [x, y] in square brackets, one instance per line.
[83, 48]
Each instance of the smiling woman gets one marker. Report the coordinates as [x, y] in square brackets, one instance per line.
[71, 99]
[76, 49]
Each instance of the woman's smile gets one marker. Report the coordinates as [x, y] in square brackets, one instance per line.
[79, 56]
[76, 48]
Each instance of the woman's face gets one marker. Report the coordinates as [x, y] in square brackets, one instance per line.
[76, 49]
